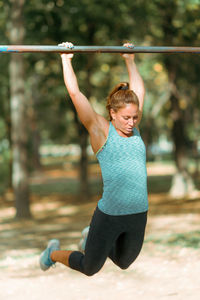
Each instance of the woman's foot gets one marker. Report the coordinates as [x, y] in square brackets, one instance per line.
[45, 258]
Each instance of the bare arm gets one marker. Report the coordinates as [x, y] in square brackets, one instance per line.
[96, 125]
[84, 109]
[135, 80]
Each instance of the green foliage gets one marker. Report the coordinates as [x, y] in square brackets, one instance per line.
[83, 23]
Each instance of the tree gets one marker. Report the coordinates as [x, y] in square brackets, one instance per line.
[175, 23]
[18, 113]
[177, 69]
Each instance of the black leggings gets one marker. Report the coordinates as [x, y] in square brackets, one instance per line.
[118, 237]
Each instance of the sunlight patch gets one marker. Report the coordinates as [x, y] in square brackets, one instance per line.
[67, 210]
[7, 212]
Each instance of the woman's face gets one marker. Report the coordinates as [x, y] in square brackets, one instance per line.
[125, 119]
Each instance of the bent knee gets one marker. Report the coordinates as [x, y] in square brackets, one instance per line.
[91, 271]
[124, 266]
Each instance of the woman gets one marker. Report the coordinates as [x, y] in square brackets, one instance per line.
[118, 224]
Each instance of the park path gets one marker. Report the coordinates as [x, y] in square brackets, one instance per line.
[157, 274]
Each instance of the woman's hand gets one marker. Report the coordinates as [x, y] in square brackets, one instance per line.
[68, 45]
[127, 55]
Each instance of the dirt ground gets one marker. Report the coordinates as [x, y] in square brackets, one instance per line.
[167, 268]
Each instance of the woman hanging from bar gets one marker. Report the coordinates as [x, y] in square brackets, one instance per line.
[118, 224]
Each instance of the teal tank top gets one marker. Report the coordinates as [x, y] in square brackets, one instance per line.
[123, 167]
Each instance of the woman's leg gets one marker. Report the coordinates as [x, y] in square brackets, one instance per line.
[101, 237]
[129, 243]
[117, 237]
[61, 256]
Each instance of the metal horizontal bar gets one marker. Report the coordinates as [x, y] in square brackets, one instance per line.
[95, 49]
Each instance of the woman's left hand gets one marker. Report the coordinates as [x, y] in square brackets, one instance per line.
[127, 55]
[68, 45]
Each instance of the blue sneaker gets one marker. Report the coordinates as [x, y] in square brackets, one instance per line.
[45, 259]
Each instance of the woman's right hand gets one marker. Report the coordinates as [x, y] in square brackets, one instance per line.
[68, 45]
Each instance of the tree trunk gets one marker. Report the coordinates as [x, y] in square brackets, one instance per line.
[83, 137]
[8, 125]
[84, 180]
[34, 98]
[196, 141]
[18, 114]
[83, 163]
[182, 183]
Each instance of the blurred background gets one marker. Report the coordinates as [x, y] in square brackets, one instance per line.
[48, 174]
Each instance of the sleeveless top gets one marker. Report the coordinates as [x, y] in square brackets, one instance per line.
[123, 166]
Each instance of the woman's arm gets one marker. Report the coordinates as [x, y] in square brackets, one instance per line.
[83, 107]
[135, 80]
[96, 125]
